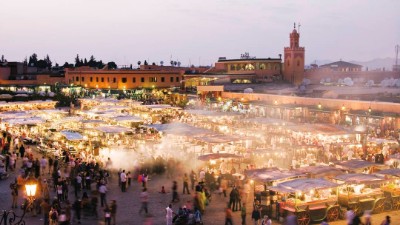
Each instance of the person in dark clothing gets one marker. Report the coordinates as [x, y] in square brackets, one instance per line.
[51, 162]
[22, 151]
[175, 196]
[356, 220]
[232, 199]
[255, 215]
[7, 162]
[78, 208]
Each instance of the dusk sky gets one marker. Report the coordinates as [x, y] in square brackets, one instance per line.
[126, 31]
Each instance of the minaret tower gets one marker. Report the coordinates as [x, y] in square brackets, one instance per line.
[294, 59]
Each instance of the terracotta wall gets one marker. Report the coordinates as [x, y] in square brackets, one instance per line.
[316, 75]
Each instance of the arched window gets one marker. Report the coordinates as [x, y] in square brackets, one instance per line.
[269, 66]
[298, 62]
[262, 66]
[249, 67]
[288, 63]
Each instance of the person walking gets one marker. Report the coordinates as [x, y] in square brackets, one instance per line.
[192, 179]
[350, 216]
[14, 194]
[386, 221]
[228, 216]
[53, 216]
[45, 206]
[77, 209]
[232, 199]
[169, 214]
[186, 184]
[123, 181]
[144, 198]
[175, 196]
[107, 215]
[102, 190]
[255, 216]
[243, 213]
[113, 208]
[43, 165]
[266, 221]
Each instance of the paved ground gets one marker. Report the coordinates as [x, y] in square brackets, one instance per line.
[129, 205]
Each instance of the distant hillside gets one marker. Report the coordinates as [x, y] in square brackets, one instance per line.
[374, 64]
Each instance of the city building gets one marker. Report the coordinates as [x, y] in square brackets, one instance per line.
[341, 66]
[123, 78]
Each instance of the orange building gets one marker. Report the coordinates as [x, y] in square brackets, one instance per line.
[123, 78]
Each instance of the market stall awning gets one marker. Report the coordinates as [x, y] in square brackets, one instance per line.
[133, 119]
[272, 174]
[392, 172]
[320, 171]
[324, 129]
[357, 178]
[181, 129]
[355, 164]
[25, 121]
[267, 121]
[113, 129]
[218, 156]
[71, 136]
[382, 141]
[217, 139]
[303, 185]
[208, 113]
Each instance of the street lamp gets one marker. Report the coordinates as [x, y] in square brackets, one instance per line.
[9, 217]
[319, 105]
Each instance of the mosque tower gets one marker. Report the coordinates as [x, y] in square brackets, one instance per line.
[294, 59]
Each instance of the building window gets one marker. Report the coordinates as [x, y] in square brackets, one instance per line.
[97, 79]
[102, 79]
[142, 79]
[171, 79]
[77, 78]
[91, 79]
[123, 80]
[262, 66]
[249, 67]
[288, 63]
[134, 80]
[82, 78]
[114, 80]
[177, 79]
[108, 79]
[153, 79]
[162, 79]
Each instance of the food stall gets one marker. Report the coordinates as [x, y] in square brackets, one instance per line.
[263, 178]
[361, 192]
[358, 166]
[311, 200]
[392, 188]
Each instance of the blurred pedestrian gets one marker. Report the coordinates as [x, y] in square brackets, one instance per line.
[144, 198]
[186, 184]
[169, 214]
[243, 213]
[386, 221]
[113, 208]
[228, 216]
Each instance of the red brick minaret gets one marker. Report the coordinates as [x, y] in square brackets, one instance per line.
[294, 60]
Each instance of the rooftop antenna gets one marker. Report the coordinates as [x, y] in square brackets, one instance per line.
[294, 26]
[299, 28]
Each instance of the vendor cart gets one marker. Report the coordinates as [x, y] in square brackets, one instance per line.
[361, 192]
[311, 200]
[391, 190]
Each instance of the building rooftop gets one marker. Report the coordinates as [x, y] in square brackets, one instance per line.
[340, 64]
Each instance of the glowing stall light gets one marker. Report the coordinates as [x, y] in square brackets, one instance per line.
[213, 162]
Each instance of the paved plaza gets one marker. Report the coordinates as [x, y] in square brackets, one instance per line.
[129, 204]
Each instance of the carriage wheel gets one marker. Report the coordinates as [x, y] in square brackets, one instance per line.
[355, 207]
[388, 204]
[303, 218]
[396, 204]
[379, 206]
[333, 213]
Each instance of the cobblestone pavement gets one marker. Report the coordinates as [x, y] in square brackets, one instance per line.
[129, 205]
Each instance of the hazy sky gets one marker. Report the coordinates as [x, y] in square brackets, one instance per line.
[126, 31]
